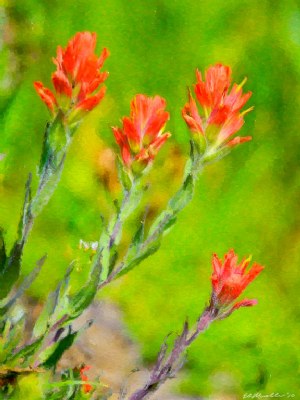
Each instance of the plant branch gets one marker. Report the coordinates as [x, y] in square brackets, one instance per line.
[166, 219]
[166, 367]
[112, 234]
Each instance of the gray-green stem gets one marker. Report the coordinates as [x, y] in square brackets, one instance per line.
[193, 169]
[112, 235]
[166, 367]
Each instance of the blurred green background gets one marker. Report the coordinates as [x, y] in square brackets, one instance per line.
[248, 201]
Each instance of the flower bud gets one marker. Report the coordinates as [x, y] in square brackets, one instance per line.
[142, 134]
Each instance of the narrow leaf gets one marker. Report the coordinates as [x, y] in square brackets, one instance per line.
[25, 351]
[2, 251]
[24, 286]
[55, 352]
[82, 299]
[139, 258]
[164, 221]
[124, 177]
[57, 301]
[136, 242]
[13, 338]
[183, 196]
[12, 270]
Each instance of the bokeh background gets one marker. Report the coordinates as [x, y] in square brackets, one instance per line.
[248, 201]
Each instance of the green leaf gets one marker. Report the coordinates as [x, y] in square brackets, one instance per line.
[52, 354]
[82, 299]
[46, 151]
[104, 247]
[67, 388]
[184, 195]
[50, 182]
[123, 175]
[168, 217]
[12, 270]
[63, 298]
[24, 286]
[163, 222]
[25, 352]
[56, 305]
[136, 242]
[111, 236]
[2, 251]
[12, 339]
[113, 258]
[151, 249]
[132, 199]
[56, 138]
[26, 215]
[43, 320]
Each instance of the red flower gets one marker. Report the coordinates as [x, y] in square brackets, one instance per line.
[77, 76]
[220, 117]
[141, 136]
[230, 279]
[209, 93]
[86, 387]
[46, 95]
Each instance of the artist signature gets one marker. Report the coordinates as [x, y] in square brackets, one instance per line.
[259, 395]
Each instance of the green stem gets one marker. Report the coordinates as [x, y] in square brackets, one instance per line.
[111, 236]
[179, 201]
[150, 245]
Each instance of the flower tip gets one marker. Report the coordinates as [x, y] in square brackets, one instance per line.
[90, 103]
[242, 84]
[38, 85]
[46, 95]
[106, 52]
[238, 140]
[103, 56]
[243, 303]
[198, 75]
[258, 268]
[230, 253]
[190, 94]
[248, 259]
[248, 109]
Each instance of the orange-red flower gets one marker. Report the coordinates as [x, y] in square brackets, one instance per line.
[77, 76]
[86, 387]
[230, 279]
[218, 116]
[142, 134]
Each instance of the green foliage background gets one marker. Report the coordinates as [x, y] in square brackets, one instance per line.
[248, 201]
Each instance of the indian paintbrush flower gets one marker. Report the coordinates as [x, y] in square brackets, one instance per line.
[142, 134]
[76, 79]
[229, 280]
[78, 89]
[215, 117]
